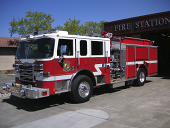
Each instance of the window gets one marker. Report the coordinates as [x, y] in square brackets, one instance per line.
[97, 48]
[69, 44]
[83, 47]
[37, 48]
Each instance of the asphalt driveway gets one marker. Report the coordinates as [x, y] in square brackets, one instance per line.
[136, 107]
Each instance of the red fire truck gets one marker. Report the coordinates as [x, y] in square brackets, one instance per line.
[54, 62]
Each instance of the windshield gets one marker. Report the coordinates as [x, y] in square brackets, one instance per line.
[34, 49]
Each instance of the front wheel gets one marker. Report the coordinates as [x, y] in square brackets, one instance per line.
[141, 77]
[81, 89]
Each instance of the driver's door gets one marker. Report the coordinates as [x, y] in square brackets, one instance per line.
[65, 64]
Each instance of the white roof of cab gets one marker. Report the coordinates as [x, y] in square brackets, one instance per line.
[59, 33]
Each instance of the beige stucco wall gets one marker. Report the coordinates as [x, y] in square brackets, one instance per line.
[7, 56]
[6, 62]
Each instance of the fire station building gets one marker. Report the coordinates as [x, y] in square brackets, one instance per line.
[155, 27]
[8, 47]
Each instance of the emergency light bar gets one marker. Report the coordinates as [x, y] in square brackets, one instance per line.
[48, 31]
[28, 36]
[45, 32]
[93, 34]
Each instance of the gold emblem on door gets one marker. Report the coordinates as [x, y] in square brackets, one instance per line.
[66, 66]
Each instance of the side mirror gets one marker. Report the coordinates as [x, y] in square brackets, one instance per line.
[63, 49]
[62, 52]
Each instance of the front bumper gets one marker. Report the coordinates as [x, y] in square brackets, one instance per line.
[26, 91]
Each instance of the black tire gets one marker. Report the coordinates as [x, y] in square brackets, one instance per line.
[81, 89]
[141, 77]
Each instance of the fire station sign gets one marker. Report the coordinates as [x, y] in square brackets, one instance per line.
[139, 24]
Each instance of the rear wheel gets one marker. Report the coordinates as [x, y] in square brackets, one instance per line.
[81, 89]
[141, 77]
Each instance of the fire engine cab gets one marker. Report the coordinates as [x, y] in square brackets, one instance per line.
[54, 62]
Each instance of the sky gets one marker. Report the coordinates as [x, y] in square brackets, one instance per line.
[83, 10]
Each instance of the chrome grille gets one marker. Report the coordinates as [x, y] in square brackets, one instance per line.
[27, 73]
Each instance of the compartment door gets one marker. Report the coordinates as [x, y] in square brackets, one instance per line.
[130, 62]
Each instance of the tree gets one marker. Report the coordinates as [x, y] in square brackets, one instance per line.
[101, 25]
[33, 22]
[72, 26]
[13, 28]
[75, 27]
[93, 27]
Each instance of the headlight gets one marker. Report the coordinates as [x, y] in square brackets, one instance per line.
[38, 67]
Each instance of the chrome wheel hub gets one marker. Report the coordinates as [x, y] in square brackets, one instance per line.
[84, 89]
[142, 77]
